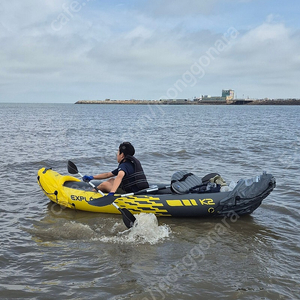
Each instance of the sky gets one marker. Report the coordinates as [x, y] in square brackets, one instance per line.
[62, 51]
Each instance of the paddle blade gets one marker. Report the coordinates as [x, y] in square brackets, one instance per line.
[72, 169]
[102, 201]
[128, 217]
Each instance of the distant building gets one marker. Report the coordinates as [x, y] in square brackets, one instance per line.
[227, 96]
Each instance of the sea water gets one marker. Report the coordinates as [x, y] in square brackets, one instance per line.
[50, 252]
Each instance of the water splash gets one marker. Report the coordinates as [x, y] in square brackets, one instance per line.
[145, 230]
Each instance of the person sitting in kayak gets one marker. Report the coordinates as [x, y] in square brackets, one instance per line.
[128, 177]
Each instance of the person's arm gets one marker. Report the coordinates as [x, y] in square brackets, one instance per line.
[104, 175]
[117, 181]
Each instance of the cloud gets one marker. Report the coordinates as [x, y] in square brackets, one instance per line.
[179, 8]
[263, 57]
[21, 15]
[102, 51]
[266, 49]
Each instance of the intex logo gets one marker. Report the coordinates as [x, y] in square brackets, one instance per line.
[78, 198]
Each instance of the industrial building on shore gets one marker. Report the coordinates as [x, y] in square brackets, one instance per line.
[227, 97]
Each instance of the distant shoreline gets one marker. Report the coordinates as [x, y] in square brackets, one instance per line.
[188, 102]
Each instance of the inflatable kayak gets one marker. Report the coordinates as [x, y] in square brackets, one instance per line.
[186, 196]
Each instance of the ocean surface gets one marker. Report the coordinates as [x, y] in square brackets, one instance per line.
[48, 252]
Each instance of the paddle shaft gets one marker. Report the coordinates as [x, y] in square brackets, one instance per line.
[92, 185]
[148, 190]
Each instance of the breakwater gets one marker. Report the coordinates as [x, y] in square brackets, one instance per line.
[196, 102]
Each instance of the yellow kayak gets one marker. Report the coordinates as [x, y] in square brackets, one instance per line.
[71, 192]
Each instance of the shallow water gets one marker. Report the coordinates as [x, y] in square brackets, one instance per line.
[49, 252]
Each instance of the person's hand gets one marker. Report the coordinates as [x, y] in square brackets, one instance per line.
[87, 178]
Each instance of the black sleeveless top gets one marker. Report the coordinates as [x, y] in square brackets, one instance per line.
[135, 181]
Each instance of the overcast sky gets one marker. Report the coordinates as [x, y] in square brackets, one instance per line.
[65, 51]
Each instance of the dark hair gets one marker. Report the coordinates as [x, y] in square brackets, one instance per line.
[126, 148]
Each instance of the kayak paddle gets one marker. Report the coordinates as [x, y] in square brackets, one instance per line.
[97, 202]
[128, 217]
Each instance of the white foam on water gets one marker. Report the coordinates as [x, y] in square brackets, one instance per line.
[145, 230]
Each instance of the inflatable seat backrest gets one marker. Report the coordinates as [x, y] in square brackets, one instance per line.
[182, 182]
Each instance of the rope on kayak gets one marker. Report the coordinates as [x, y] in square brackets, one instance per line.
[54, 193]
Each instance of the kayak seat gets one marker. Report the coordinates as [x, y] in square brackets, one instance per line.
[182, 182]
